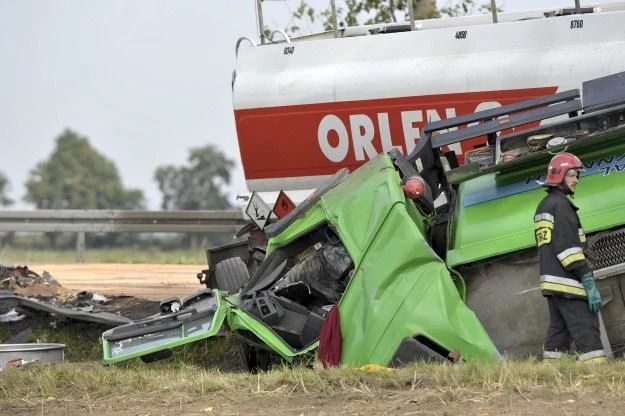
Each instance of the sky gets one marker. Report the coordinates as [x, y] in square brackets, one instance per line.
[144, 80]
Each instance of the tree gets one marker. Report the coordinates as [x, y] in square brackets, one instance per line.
[76, 176]
[4, 189]
[466, 7]
[197, 186]
[357, 12]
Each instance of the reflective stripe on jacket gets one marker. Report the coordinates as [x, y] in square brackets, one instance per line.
[560, 240]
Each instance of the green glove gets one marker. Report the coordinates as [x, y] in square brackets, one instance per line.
[594, 298]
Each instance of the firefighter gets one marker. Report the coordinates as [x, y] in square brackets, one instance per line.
[566, 279]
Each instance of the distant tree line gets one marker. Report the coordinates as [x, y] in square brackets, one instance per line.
[77, 176]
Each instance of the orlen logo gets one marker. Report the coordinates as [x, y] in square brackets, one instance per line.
[365, 134]
[309, 140]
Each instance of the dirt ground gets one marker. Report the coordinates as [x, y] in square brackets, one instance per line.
[147, 281]
[430, 402]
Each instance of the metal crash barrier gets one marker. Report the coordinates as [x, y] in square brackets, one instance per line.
[117, 221]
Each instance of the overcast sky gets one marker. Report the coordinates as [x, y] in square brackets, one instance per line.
[144, 80]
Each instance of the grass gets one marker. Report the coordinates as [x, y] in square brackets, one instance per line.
[11, 256]
[82, 344]
[74, 380]
[213, 365]
[4, 331]
[210, 370]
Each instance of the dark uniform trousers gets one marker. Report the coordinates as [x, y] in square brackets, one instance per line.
[571, 320]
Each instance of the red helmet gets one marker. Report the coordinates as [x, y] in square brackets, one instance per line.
[559, 165]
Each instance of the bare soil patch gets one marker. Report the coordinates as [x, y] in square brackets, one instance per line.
[147, 281]
[373, 402]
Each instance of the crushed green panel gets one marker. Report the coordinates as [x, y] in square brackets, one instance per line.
[308, 221]
[353, 208]
[505, 224]
[215, 326]
[357, 208]
[241, 320]
[400, 287]
[403, 289]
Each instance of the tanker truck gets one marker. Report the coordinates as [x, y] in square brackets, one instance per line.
[445, 269]
[305, 108]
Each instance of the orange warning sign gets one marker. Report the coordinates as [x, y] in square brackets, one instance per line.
[283, 205]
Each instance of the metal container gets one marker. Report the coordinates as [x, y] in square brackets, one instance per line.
[555, 142]
[49, 353]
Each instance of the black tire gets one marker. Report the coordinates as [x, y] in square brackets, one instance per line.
[254, 359]
[231, 274]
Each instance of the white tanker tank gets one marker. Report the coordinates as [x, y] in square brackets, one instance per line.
[305, 108]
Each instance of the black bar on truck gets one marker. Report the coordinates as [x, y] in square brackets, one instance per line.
[492, 113]
[604, 92]
[157, 324]
[132, 332]
[494, 126]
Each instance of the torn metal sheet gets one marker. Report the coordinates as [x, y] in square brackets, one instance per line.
[11, 316]
[104, 318]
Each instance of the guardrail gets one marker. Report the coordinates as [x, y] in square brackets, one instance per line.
[112, 221]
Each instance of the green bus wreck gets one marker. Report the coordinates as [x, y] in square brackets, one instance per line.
[425, 258]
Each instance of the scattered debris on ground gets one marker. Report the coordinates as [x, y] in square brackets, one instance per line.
[29, 300]
[35, 309]
[23, 281]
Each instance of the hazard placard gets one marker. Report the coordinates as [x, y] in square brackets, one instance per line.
[283, 205]
[258, 210]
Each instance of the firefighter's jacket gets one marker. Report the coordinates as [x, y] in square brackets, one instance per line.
[561, 240]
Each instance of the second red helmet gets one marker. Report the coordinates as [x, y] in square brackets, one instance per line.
[559, 165]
